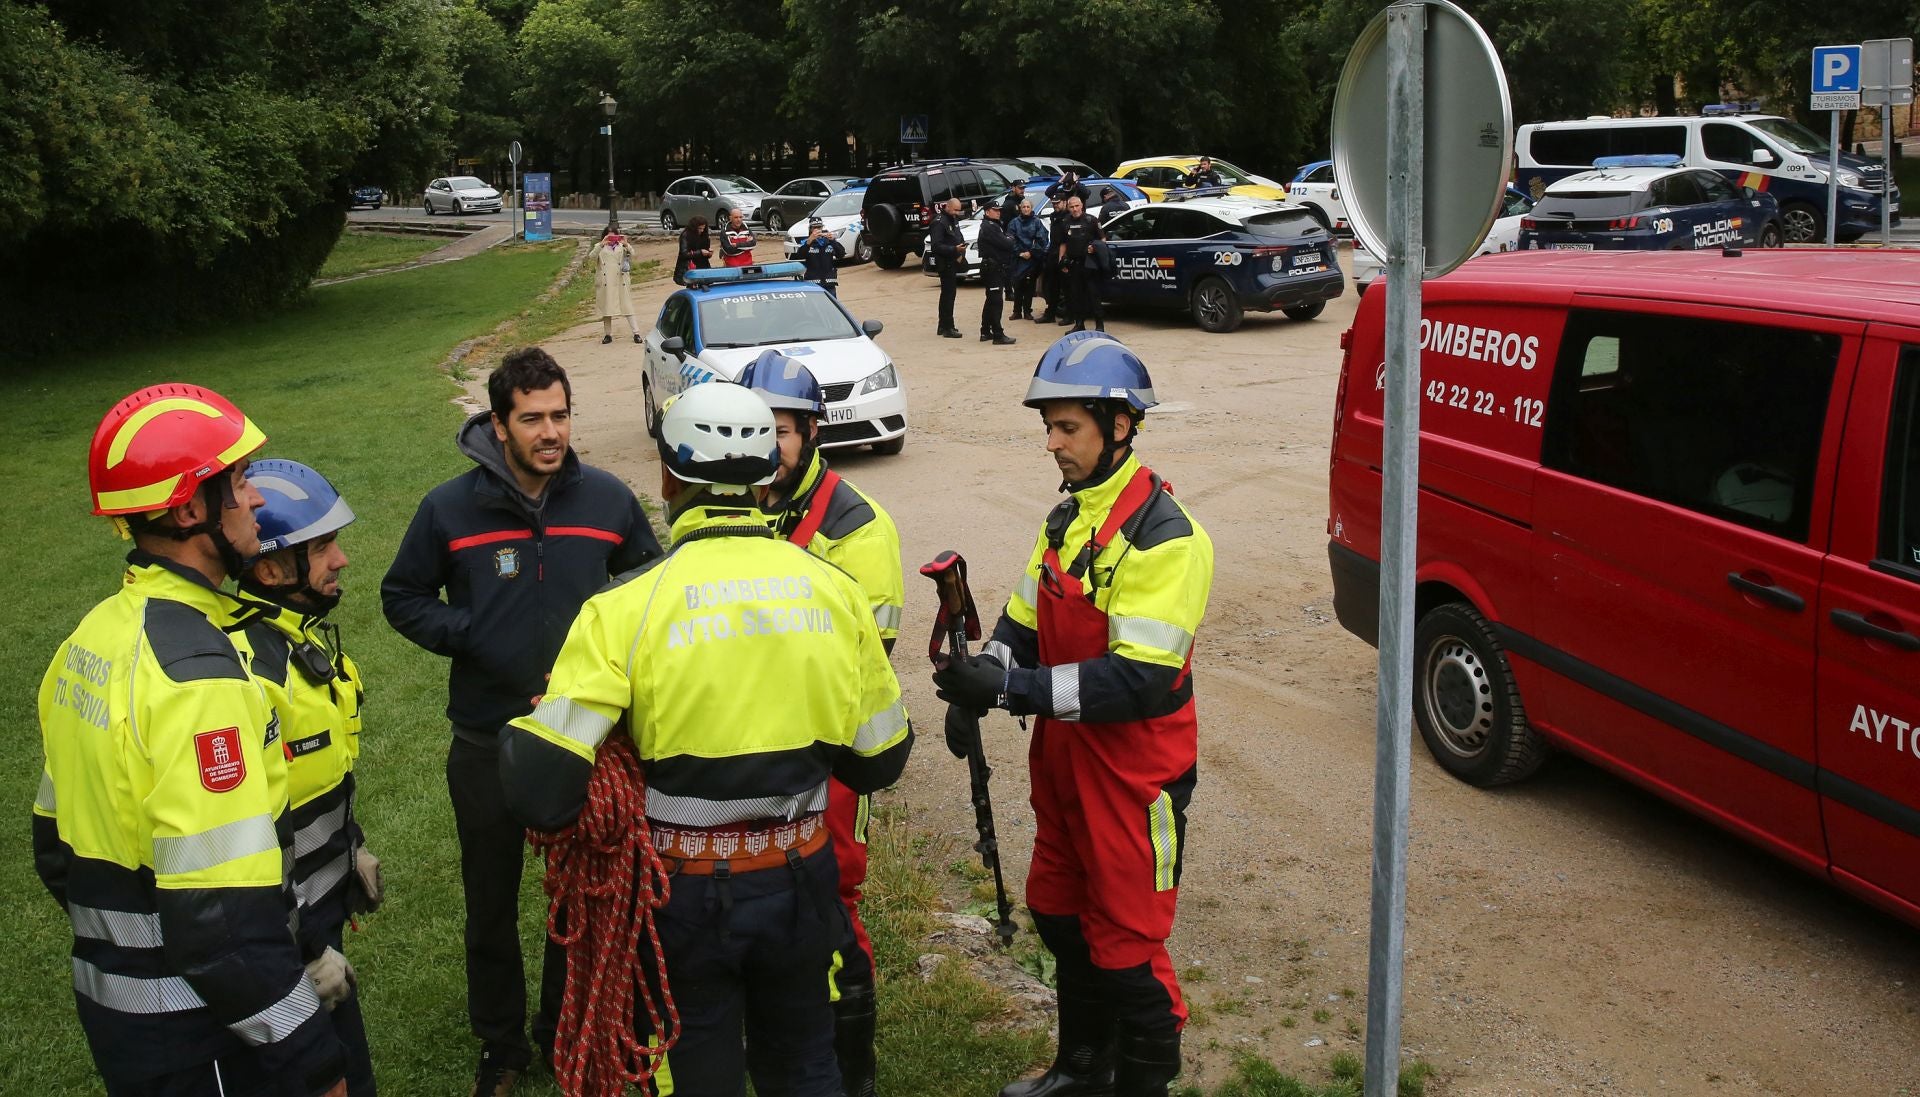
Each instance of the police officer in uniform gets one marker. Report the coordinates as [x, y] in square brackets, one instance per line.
[1052, 283]
[1010, 205]
[1202, 175]
[1096, 643]
[814, 508]
[1076, 236]
[316, 692]
[680, 656]
[948, 248]
[998, 257]
[155, 823]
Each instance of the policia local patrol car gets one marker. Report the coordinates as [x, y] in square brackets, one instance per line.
[1217, 255]
[1649, 203]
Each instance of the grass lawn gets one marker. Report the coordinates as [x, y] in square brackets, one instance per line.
[359, 252]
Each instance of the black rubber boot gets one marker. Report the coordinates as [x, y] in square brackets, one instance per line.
[853, 1041]
[1084, 1065]
[1147, 1064]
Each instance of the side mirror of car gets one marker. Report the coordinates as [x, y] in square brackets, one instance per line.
[674, 345]
[872, 328]
[705, 193]
[1749, 192]
[1762, 156]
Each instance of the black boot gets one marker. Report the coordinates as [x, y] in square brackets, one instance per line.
[853, 1041]
[1147, 1064]
[1084, 1065]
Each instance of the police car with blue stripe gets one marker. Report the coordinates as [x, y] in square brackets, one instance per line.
[726, 317]
[1216, 256]
[1649, 203]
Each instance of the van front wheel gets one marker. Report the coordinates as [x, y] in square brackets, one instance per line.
[1466, 701]
[1803, 224]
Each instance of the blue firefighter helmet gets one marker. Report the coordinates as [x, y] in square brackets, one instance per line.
[784, 383]
[301, 505]
[1091, 365]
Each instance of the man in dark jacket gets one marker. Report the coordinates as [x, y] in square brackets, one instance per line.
[948, 246]
[820, 252]
[1074, 241]
[517, 544]
[1202, 175]
[1052, 278]
[998, 257]
[1010, 205]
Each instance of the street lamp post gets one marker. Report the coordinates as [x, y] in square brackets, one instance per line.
[608, 105]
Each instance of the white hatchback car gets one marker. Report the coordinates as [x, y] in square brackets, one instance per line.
[460, 194]
[840, 215]
[728, 316]
[1503, 236]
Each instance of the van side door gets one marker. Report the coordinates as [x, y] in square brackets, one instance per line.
[1680, 521]
[1868, 696]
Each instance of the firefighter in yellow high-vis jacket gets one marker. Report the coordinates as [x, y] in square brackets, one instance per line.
[681, 656]
[316, 691]
[155, 823]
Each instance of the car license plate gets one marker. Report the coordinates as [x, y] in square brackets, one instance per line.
[841, 415]
[1569, 247]
[1309, 259]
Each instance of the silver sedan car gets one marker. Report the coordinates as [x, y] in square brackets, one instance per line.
[795, 201]
[460, 194]
[709, 196]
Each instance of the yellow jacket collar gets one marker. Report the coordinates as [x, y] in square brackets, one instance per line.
[748, 518]
[1103, 495]
[153, 576]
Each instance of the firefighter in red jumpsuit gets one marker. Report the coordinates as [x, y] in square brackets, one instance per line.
[1096, 643]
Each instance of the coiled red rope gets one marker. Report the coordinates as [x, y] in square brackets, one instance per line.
[604, 881]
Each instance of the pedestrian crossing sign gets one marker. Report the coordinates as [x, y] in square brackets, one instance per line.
[913, 129]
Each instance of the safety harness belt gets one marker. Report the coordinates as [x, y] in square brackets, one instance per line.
[817, 504]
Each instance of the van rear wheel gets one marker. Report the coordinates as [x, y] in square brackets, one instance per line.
[1466, 701]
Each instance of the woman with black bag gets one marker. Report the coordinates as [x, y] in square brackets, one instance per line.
[696, 250]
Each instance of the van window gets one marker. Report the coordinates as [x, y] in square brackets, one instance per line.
[1728, 143]
[1720, 418]
[1900, 505]
[1580, 147]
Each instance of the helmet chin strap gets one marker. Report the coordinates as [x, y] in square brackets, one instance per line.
[1104, 414]
[297, 595]
[219, 497]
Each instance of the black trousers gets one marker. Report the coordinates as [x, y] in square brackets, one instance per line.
[1023, 293]
[1083, 302]
[949, 285]
[238, 1075]
[493, 851]
[751, 955]
[351, 1027]
[993, 308]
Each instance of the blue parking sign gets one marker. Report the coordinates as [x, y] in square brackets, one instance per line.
[1836, 68]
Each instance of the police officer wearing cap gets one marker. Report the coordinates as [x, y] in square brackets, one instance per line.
[316, 692]
[155, 826]
[820, 252]
[999, 255]
[1096, 643]
[1010, 205]
[813, 507]
[750, 675]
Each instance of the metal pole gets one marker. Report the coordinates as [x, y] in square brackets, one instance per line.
[1833, 172]
[1399, 530]
[1886, 156]
[613, 216]
[513, 198]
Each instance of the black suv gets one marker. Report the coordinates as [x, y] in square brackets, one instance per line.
[899, 204]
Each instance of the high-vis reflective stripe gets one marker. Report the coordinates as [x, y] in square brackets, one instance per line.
[833, 976]
[168, 994]
[1149, 633]
[122, 927]
[228, 842]
[1166, 841]
[1028, 590]
[323, 880]
[277, 1022]
[998, 652]
[696, 811]
[881, 730]
[886, 617]
[316, 833]
[572, 721]
[1066, 691]
[862, 815]
[44, 799]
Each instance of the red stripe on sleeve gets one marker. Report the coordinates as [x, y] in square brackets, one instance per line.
[478, 539]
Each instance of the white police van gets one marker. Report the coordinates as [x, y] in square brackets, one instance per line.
[1773, 155]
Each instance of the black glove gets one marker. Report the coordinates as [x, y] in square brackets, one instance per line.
[975, 682]
[963, 727]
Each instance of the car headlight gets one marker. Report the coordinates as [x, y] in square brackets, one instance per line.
[884, 378]
[1849, 179]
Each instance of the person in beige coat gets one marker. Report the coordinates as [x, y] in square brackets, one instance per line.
[613, 283]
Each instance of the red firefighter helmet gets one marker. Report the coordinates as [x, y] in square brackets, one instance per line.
[157, 446]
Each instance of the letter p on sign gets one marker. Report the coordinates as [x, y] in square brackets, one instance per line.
[1836, 68]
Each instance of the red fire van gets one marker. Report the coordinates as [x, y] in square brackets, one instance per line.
[1669, 523]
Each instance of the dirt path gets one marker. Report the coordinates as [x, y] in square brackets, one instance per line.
[1571, 935]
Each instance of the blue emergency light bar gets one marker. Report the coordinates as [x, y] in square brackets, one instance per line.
[1181, 194]
[759, 272]
[1641, 160]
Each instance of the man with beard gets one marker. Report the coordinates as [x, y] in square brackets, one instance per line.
[517, 544]
[315, 690]
[812, 507]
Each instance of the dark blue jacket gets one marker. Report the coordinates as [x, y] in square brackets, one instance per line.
[819, 254]
[514, 573]
[1030, 234]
